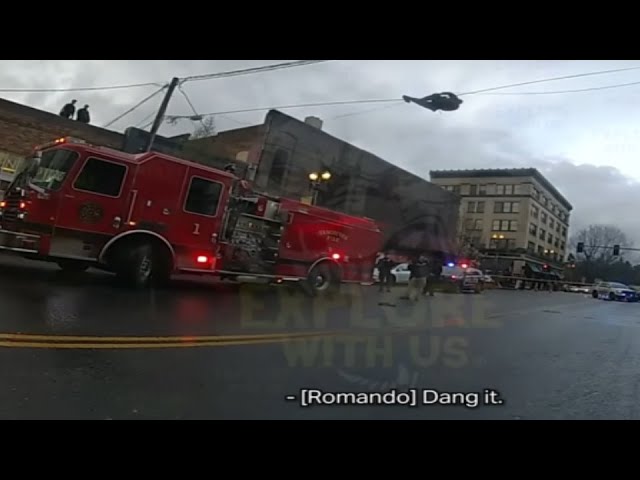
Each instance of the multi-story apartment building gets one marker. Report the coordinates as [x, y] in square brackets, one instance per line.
[514, 214]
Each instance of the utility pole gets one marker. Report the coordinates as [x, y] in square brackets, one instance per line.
[163, 109]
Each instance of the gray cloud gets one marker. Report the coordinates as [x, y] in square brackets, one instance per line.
[584, 143]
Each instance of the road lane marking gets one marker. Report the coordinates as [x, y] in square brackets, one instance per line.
[132, 346]
[171, 339]
[18, 340]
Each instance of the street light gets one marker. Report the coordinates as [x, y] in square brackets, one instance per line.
[316, 179]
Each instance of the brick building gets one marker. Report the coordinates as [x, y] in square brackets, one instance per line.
[22, 128]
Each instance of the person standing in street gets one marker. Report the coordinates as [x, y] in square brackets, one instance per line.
[419, 271]
[384, 267]
[435, 271]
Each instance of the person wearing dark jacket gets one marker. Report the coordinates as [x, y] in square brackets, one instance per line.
[83, 115]
[384, 267]
[435, 271]
[419, 271]
[69, 109]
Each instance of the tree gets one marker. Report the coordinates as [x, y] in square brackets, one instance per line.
[597, 259]
[207, 128]
[598, 243]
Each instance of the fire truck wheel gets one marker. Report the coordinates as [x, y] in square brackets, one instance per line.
[72, 266]
[323, 279]
[137, 268]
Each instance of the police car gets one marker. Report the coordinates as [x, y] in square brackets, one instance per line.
[614, 291]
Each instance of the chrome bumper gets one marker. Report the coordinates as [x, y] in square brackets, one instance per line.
[19, 242]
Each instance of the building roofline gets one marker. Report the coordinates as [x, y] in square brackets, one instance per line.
[504, 172]
[277, 113]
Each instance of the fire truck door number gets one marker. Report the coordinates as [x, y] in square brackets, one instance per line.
[196, 229]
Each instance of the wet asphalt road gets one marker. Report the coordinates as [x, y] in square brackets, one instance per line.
[81, 348]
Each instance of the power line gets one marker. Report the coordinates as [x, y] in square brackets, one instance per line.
[552, 79]
[193, 108]
[604, 87]
[135, 107]
[300, 105]
[253, 70]
[78, 89]
[208, 76]
[474, 92]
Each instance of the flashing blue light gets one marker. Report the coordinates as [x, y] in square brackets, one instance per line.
[451, 264]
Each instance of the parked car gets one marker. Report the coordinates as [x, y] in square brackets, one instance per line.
[614, 291]
[399, 274]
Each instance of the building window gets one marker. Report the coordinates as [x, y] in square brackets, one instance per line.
[473, 190]
[504, 226]
[482, 189]
[556, 243]
[551, 223]
[543, 234]
[564, 231]
[540, 250]
[478, 224]
[533, 229]
[506, 207]
[562, 245]
[279, 168]
[519, 189]
[475, 207]
[499, 189]
[203, 197]
[534, 212]
[456, 189]
[557, 227]
[549, 238]
[98, 176]
[502, 243]
[543, 217]
[508, 189]
[531, 247]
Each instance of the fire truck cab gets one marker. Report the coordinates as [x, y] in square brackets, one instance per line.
[147, 216]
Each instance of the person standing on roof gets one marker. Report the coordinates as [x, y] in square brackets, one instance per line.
[83, 115]
[69, 109]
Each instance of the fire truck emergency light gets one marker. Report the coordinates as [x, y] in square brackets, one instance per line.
[3, 204]
[336, 256]
[202, 259]
[464, 265]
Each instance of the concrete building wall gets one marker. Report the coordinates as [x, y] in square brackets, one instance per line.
[488, 216]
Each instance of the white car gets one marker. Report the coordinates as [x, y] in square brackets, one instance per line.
[399, 274]
[614, 291]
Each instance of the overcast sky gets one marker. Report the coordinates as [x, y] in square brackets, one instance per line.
[585, 143]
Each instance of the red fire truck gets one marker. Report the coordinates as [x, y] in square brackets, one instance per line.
[148, 216]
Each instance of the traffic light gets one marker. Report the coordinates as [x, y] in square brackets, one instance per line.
[616, 250]
[580, 247]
